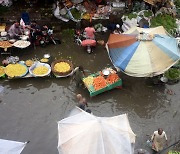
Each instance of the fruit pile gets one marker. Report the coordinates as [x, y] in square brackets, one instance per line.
[29, 63]
[40, 70]
[1, 71]
[88, 81]
[100, 81]
[112, 78]
[15, 70]
[62, 67]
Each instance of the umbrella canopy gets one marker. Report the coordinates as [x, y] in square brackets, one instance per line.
[84, 133]
[143, 52]
[11, 147]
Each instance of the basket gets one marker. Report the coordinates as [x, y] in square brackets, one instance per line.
[61, 73]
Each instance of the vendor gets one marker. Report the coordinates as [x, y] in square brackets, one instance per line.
[90, 31]
[158, 139]
[35, 30]
[15, 30]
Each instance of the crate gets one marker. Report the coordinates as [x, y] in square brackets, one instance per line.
[107, 88]
[94, 93]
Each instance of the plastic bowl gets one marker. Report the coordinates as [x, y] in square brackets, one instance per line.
[35, 65]
[22, 74]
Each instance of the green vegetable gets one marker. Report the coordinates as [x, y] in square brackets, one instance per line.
[167, 21]
[131, 15]
[76, 14]
[173, 152]
[147, 13]
[173, 74]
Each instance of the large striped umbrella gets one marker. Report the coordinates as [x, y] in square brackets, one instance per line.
[143, 52]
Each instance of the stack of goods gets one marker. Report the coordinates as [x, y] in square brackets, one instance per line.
[61, 67]
[16, 70]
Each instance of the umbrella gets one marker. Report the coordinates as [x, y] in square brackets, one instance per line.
[84, 133]
[143, 52]
[11, 147]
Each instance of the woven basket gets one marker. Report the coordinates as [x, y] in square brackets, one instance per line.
[61, 73]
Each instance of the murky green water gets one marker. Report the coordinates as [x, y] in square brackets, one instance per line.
[30, 108]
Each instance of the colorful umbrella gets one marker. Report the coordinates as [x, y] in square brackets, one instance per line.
[143, 52]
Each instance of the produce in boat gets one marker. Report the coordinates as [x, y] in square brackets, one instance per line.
[5, 44]
[99, 83]
[21, 44]
[112, 78]
[40, 70]
[88, 81]
[44, 60]
[15, 70]
[29, 63]
[62, 67]
[1, 71]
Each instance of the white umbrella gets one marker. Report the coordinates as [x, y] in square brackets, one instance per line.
[11, 147]
[84, 133]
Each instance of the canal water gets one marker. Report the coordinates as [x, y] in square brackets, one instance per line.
[30, 108]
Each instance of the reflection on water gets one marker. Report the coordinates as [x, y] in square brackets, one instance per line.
[30, 108]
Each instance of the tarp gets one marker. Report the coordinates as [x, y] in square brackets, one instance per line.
[143, 57]
[11, 147]
[84, 133]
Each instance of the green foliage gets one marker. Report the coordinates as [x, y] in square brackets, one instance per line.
[173, 74]
[177, 3]
[76, 14]
[167, 21]
[147, 13]
[131, 15]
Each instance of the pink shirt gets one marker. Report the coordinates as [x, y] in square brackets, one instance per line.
[90, 32]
